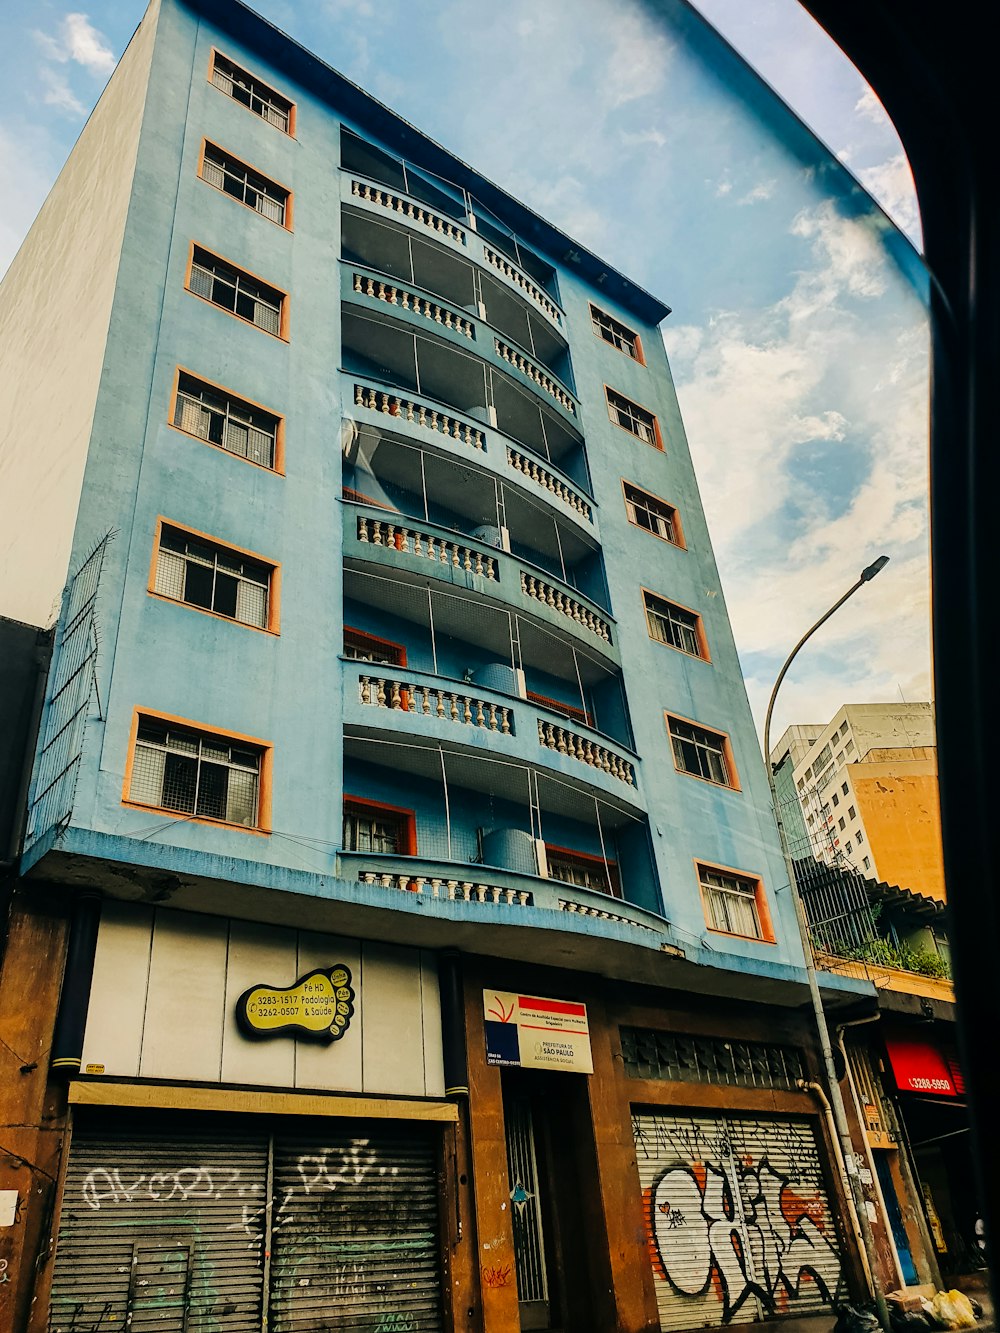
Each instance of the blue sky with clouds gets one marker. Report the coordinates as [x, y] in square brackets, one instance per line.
[798, 336]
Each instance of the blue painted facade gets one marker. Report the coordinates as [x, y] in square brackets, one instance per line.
[571, 559]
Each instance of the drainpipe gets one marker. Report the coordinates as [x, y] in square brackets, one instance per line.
[905, 1166]
[817, 1090]
[71, 1021]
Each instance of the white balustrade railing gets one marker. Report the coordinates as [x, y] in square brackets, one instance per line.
[588, 909]
[391, 294]
[406, 208]
[430, 546]
[565, 605]
[454, 890]
[570, 743]
[429, 700]
[532, 372]
[526, 285]
[417, 414]
[541, 476]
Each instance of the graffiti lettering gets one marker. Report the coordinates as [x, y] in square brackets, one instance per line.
[498, 1275]
[341, 1166]
[102, 1186]
[397, 1323]
[740, 1228]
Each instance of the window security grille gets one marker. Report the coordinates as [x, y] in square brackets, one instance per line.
[375, 831]
[235, 291]
[631, 417]
[213, 578]
[673, 625]
[618, 335]
[231, 424]
[731, 903]
[700, 752]
[364, 648]
[258, 97]
[685, 1059]
[646, 511]
[207, 776]
[233, 177]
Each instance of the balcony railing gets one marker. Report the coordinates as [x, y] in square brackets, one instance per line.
[519, 279]
[411, 540]
[407, 299]
[536, 375]
[566, 606]
[571, 743]
[407, 208]
[429, 700]
[419, 414]
[541, 476]
[487, 886]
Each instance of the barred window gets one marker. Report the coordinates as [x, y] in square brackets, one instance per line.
[237, 292]
[731, 902]
[673, 625]
[649, 512]
[700, 751]
[220, 418]
[252, 93]
[229, 174]
[631, 417]
[586, 872]
[618, 335]
[175, 768]
[370, 828]
[215, 578]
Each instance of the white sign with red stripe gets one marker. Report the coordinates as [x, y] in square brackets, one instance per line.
[529, 1032]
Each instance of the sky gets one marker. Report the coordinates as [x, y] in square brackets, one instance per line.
[798, 336]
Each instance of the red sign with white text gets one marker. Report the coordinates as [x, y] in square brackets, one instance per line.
[920, 1067]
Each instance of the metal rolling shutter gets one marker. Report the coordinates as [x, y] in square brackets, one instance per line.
[355, 1231]
[737, 1216]
[161, 1229]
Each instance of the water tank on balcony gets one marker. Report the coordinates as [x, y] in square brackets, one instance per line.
[497, 676]
[510, 849]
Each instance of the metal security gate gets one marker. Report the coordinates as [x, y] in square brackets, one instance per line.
[738, 1221]
[526, 1212]
[203, 1225]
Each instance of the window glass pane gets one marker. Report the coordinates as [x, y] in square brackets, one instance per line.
[226, 587]
[266, 317]
[147, 775]
[179, 782]
[251, 603]
[241, 807]
[213, 782]
[170, 572]
[198, 583]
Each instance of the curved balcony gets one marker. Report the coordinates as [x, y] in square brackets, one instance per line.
[418, 550]
[394, 700]
[530, 898]
[395, 206]
[428, 423]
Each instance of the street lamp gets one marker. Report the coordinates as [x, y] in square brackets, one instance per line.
[833, 1083]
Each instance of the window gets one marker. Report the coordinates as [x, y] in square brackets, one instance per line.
[836, 799]
[655, 515]
[382, 830]
[842, 823]
[801, 785]
[586, 872]
[848, 747]
[845, 788]
[238, 292]
[867, 864]
[618, 335]
[557, 706]
[701, 752]
[843, 729]
[229, 174]
[207, 775]
[631, 417]
[735, 903]
[255, 95]
[851, 812]
[860, 837]
[674, 625]
[847, 848]
[219, 417]
[193, 569]
[362, 647]
[840, 757]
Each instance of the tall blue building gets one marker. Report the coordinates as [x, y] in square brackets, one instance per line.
[397, 810]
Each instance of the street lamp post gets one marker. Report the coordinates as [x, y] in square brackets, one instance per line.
[833, 1083]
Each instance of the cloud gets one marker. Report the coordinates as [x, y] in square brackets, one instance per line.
[637, 62]
[868, 107]
[78, 41]
[891, 183]
[58, 92]
[639, 137]
[809, 433]
[765, 190]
